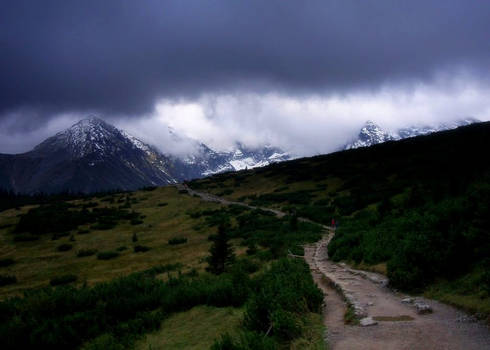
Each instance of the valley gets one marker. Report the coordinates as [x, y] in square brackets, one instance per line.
[138, 263]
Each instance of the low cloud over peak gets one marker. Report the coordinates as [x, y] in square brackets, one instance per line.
[125, 59]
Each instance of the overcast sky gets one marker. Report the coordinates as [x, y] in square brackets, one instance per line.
[303, 75]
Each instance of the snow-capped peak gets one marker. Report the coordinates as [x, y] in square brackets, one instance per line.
[371, 133]
[90, 135]
[136, 142]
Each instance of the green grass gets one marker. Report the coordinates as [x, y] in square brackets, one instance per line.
[313, 335]
[193, 330]
[37, 262]
[465, 292]
[350, 316]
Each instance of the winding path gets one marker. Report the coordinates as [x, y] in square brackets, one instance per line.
[398, 325]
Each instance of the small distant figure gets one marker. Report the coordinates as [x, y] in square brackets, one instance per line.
[333, 223]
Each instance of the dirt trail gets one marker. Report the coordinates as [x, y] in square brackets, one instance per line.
[446, 328]
[212, 198]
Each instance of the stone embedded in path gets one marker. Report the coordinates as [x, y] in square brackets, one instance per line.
[423, 308]
[407, 300]
[367, 321]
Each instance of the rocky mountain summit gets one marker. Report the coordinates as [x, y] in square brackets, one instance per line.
[93, 155]
[372, 134]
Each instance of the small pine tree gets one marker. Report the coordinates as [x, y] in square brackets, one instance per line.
[222, 255]
[293, 222]
[135, 237]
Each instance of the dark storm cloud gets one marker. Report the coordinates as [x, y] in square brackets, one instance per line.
[118, 57]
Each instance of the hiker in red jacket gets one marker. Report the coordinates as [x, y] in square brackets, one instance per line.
[333, 224]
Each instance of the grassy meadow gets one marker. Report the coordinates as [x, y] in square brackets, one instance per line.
[129, 270]
[37, 262]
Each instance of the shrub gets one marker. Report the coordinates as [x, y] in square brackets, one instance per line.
[136, 221]
[104, 342]
[141, 248]
[64, 247]
[104, 225]
[285, 293]
[163, 204]
[61, 280]
[58, 235]
[134, 238]
[251, 248]
[6, 262]
[86, 252]
[177, 240]
[107, 255]
[246, 341]
[121, 248]
[247, 265]
[7, 279]
[83, 232]
[25, 237]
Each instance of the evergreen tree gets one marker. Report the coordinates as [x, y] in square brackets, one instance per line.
[221, 251]
[293, 221]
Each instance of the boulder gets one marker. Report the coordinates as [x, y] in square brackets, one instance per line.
[423, 308]
[367, 321]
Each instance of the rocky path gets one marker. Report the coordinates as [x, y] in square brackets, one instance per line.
[212, 198]
[393, 321]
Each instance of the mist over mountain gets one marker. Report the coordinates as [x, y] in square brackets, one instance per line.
[93, 155]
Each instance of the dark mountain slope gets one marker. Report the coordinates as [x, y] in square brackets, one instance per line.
[372, 134]
[453, 156]
[88, 157]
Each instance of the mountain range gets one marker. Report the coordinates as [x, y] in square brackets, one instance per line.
[372, 134]
[93, 156]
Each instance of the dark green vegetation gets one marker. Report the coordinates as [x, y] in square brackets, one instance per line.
[7, 279]
[67, 312]
[424, 241]
[6, 262]
[9, 199]
[221, 255]
[420, 205]
[276, 310]
[86, 252]
[64, 247]
[60, 217]
[276, 237]
[107, 255]
[116, 313]
[177, 240]
[141, 248]
[64, 279]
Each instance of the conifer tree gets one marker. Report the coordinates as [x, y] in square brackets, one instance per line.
[222, 255]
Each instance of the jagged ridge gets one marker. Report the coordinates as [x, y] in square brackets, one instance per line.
[93, 155]
[372, 134]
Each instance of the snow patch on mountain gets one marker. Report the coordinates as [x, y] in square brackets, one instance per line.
[372, 134]
[137, 143]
